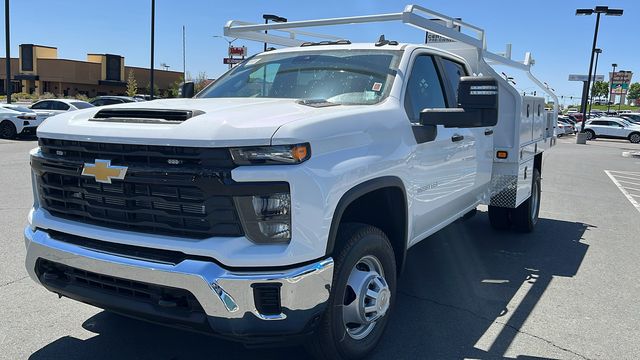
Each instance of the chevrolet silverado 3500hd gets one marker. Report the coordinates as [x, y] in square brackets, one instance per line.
[282, 199]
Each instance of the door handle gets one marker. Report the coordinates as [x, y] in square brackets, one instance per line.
[488, 132]
[457, 137]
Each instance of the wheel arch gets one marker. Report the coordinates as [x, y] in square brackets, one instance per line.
[358, 205]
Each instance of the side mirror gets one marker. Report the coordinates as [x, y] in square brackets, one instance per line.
[188, 89]
[477, 105]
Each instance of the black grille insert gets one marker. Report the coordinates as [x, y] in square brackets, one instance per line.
[176, 191]
[58, 276]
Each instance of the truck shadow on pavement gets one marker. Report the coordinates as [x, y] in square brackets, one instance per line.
[466, 292]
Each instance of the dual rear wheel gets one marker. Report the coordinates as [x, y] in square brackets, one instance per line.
[523, 218]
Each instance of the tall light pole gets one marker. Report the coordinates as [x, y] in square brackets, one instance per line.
[595, 73]
[614, 66]
[598, 10]
[184, 55]
[274, 18]
[7, 81]
[153, 27]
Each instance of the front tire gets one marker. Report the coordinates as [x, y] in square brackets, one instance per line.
[363, 294]
[590, 134]
[7, 130]
[525, 216]
[634, 138]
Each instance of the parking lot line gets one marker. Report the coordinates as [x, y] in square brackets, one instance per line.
[624, 188]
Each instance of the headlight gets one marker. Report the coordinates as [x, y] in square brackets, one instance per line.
[266, 218]
[270, 155]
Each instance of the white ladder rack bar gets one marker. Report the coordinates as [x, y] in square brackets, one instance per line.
[413, 15]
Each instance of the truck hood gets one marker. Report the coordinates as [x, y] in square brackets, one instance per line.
[220, 122]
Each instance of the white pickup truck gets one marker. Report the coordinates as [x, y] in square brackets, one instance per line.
[282, 199]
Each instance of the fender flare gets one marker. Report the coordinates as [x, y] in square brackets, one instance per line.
[358, 191]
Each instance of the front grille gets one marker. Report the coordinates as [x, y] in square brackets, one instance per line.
[166, 299]
[193, 198]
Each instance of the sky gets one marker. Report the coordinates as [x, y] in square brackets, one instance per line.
[559, 41]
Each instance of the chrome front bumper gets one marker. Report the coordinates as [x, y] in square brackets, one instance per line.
[227, 297]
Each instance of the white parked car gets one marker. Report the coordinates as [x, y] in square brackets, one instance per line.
[16, 120]
[612, 128]
[51, 107]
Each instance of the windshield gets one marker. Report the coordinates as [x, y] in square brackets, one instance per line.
[81, 105]
[348, 77]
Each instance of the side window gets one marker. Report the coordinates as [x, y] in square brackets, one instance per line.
[111, 101]
[98, 102]
[453, 72]
[58, 105]
[42, 105]
[424, 89]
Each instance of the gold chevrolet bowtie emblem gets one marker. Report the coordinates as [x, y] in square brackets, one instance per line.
[103, 171]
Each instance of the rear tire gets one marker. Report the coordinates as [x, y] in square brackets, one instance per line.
[499, 217]
[634, 138]
[525, 216]
[364, 264]
[7, 130]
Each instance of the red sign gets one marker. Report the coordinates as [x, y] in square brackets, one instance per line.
[233, 61]
[238, 50]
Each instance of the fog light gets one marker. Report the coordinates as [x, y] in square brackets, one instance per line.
[275, 230]
[271, 205]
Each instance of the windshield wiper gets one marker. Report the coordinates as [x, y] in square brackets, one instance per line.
[317, 103]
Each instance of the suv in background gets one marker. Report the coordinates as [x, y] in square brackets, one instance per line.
[612, 128]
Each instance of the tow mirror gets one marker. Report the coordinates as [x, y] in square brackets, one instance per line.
[188, 89]
[477, 105]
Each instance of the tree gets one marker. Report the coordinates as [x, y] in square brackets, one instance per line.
[634, 92]
[200, 81]
[174, 89]
[132, 85]
[599, 89]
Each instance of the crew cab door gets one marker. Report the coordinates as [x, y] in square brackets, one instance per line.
[442, 167]
[480, 139]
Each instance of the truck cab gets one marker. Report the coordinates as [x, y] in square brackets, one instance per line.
[282, 199]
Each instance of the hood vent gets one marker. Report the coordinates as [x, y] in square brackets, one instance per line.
[145, 116]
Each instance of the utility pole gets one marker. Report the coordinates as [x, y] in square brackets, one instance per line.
[595, 72]
[184, 55]
[7, 82]
[614, 66]
[153, 23]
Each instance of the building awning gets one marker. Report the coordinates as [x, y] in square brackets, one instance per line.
[26, 77]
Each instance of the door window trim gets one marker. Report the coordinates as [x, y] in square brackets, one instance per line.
[410, 72]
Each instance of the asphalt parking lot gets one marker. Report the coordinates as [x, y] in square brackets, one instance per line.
[567, 291]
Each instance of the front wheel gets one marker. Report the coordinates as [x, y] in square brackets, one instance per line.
[363, 294]
[634, 138]
[590, 134]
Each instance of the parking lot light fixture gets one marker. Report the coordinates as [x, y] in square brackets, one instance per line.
[273, 18]
[598, 10]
